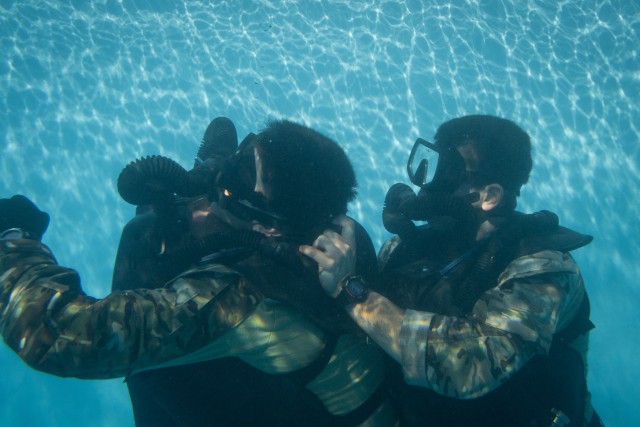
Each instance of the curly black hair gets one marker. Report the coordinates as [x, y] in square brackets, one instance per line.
[309, 176]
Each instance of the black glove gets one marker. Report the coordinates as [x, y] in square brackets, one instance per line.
[20, 212]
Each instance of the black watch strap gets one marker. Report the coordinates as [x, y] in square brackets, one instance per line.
[354, 290]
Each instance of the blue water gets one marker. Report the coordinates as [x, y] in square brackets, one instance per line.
[88, 86]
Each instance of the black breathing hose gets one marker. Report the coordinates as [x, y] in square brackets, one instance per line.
[155, 180]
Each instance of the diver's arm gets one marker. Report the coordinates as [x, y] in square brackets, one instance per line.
[55, 327]
[336, 257]
[381, 320]
[467, 357]
[464, 357]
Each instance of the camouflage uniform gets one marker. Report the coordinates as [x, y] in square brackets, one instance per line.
[466, 357]
[205, 313]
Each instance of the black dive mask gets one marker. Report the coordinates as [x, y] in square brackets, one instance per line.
[236, 194]
[249, 207]
[255, 207]
[441, 174]
[435, 168]
[423, 162]
[236, 184]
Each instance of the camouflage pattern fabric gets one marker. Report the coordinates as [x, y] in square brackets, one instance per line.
[467, 357]
[55, 327]
[205, 313]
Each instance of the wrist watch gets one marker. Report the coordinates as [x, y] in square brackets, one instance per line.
[354, 290]
[14, 234]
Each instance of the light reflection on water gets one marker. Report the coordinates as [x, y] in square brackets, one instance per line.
[88, 87]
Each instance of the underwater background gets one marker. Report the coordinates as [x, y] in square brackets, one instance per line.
[87, 87]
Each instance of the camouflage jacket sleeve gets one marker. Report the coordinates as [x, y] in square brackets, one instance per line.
[467, 357]
[55, 327]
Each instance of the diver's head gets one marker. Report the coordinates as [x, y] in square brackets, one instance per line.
[304, 178]
[472, 152]
[494, 150]
[473, 171]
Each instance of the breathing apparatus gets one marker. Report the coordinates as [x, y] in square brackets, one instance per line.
[446, 201]
[160, 243]
[441, 174]
[469, 152]
[236, 184]
[161, 185]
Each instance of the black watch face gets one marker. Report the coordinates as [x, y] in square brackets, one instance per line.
[356, 288]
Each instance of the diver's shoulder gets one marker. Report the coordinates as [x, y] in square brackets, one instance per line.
[538, 263]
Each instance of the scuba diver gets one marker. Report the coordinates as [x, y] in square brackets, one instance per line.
[482, 307]
[214, 317]
[227, 390]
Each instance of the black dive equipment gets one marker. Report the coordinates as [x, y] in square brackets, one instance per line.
[445, 197]
[422, 163]
[219, 141]
[249, 207]
[236, 183]
[155, 180]
[435, 167]
[170, 191]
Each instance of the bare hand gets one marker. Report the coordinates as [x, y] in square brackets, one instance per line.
[335, 254]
